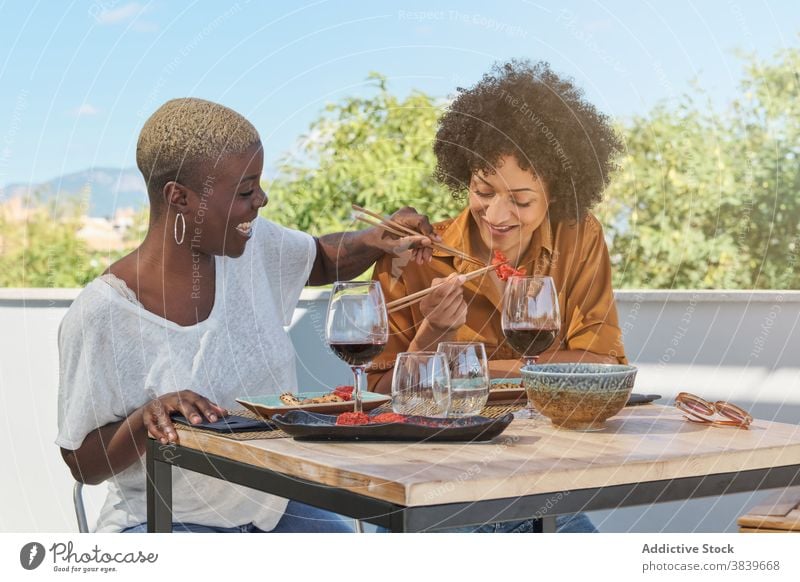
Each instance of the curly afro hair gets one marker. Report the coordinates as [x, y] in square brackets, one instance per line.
[544, 121]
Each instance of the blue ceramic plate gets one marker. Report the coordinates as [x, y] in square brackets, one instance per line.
[311, 426]
[269, 405]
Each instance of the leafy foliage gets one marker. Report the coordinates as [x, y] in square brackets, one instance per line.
[375, 152]
[707, 200]
[664, 208]
[704, 199]
[43, 250]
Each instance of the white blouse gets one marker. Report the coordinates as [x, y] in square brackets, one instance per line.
[115, 356]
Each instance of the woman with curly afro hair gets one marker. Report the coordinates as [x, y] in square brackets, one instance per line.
[530, 157]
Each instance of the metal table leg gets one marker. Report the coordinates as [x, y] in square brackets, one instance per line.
[159, 491]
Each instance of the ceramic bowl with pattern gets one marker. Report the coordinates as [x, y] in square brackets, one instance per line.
[578, 396]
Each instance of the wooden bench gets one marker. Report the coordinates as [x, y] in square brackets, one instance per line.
[778, 513]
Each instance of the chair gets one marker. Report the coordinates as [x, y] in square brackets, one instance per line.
[80, 510]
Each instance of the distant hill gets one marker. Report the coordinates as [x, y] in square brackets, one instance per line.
[108, 188]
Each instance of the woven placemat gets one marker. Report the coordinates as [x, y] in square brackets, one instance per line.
[239, 436]
[497, 410]
[490, 411]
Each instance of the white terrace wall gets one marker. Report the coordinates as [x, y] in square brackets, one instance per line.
[738, 345]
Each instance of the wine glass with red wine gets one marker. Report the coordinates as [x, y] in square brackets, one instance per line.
[357, 328]
[530, 321]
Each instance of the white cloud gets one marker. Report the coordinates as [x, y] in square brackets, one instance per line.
[121, 14]
[85, 110]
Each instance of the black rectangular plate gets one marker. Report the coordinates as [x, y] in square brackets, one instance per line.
[304, 425]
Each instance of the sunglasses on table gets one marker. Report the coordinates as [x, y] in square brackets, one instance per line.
[719, 413]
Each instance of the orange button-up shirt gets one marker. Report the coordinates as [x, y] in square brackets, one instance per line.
[573, 254]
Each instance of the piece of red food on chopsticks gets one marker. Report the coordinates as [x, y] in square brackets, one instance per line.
[504, 270]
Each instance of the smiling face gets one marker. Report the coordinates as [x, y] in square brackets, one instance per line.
[224, 203]
[508, 206]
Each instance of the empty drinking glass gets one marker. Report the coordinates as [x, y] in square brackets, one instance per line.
[469, 377]
[421, 384]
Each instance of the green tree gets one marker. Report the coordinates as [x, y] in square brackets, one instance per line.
[704, 199]
[712, 200]
[376, 152]
[44, 251]
[766, 147]
[662, 210]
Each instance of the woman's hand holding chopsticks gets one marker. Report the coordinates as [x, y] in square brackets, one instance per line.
[391, 226]
[407, 221]
[444, 307]
[345, 255]
[444, 310]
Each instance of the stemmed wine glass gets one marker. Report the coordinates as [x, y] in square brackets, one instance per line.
[530, 321]
[357, 328]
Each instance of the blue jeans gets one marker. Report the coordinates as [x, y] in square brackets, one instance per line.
[298, 518]
[574, 523]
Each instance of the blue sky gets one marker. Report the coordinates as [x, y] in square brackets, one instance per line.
[79, 78]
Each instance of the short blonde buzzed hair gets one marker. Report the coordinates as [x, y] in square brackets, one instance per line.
[185, 135]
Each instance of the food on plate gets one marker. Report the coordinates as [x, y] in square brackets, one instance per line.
[387, 417]
[344, 392]
[352, 418]
[359, 418]
[292, 400]
[504, 270]
[289, 399]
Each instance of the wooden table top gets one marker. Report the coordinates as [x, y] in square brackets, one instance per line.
[642, 443]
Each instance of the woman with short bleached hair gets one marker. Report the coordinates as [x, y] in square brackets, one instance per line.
[195, 317]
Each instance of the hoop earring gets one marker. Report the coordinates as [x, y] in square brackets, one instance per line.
[183, 228]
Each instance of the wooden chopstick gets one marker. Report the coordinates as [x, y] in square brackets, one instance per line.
[385, 227]
[385, 221]
[401, 234]
[409, 300]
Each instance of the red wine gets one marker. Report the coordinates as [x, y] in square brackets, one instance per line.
[357, 354]
[529, 342]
